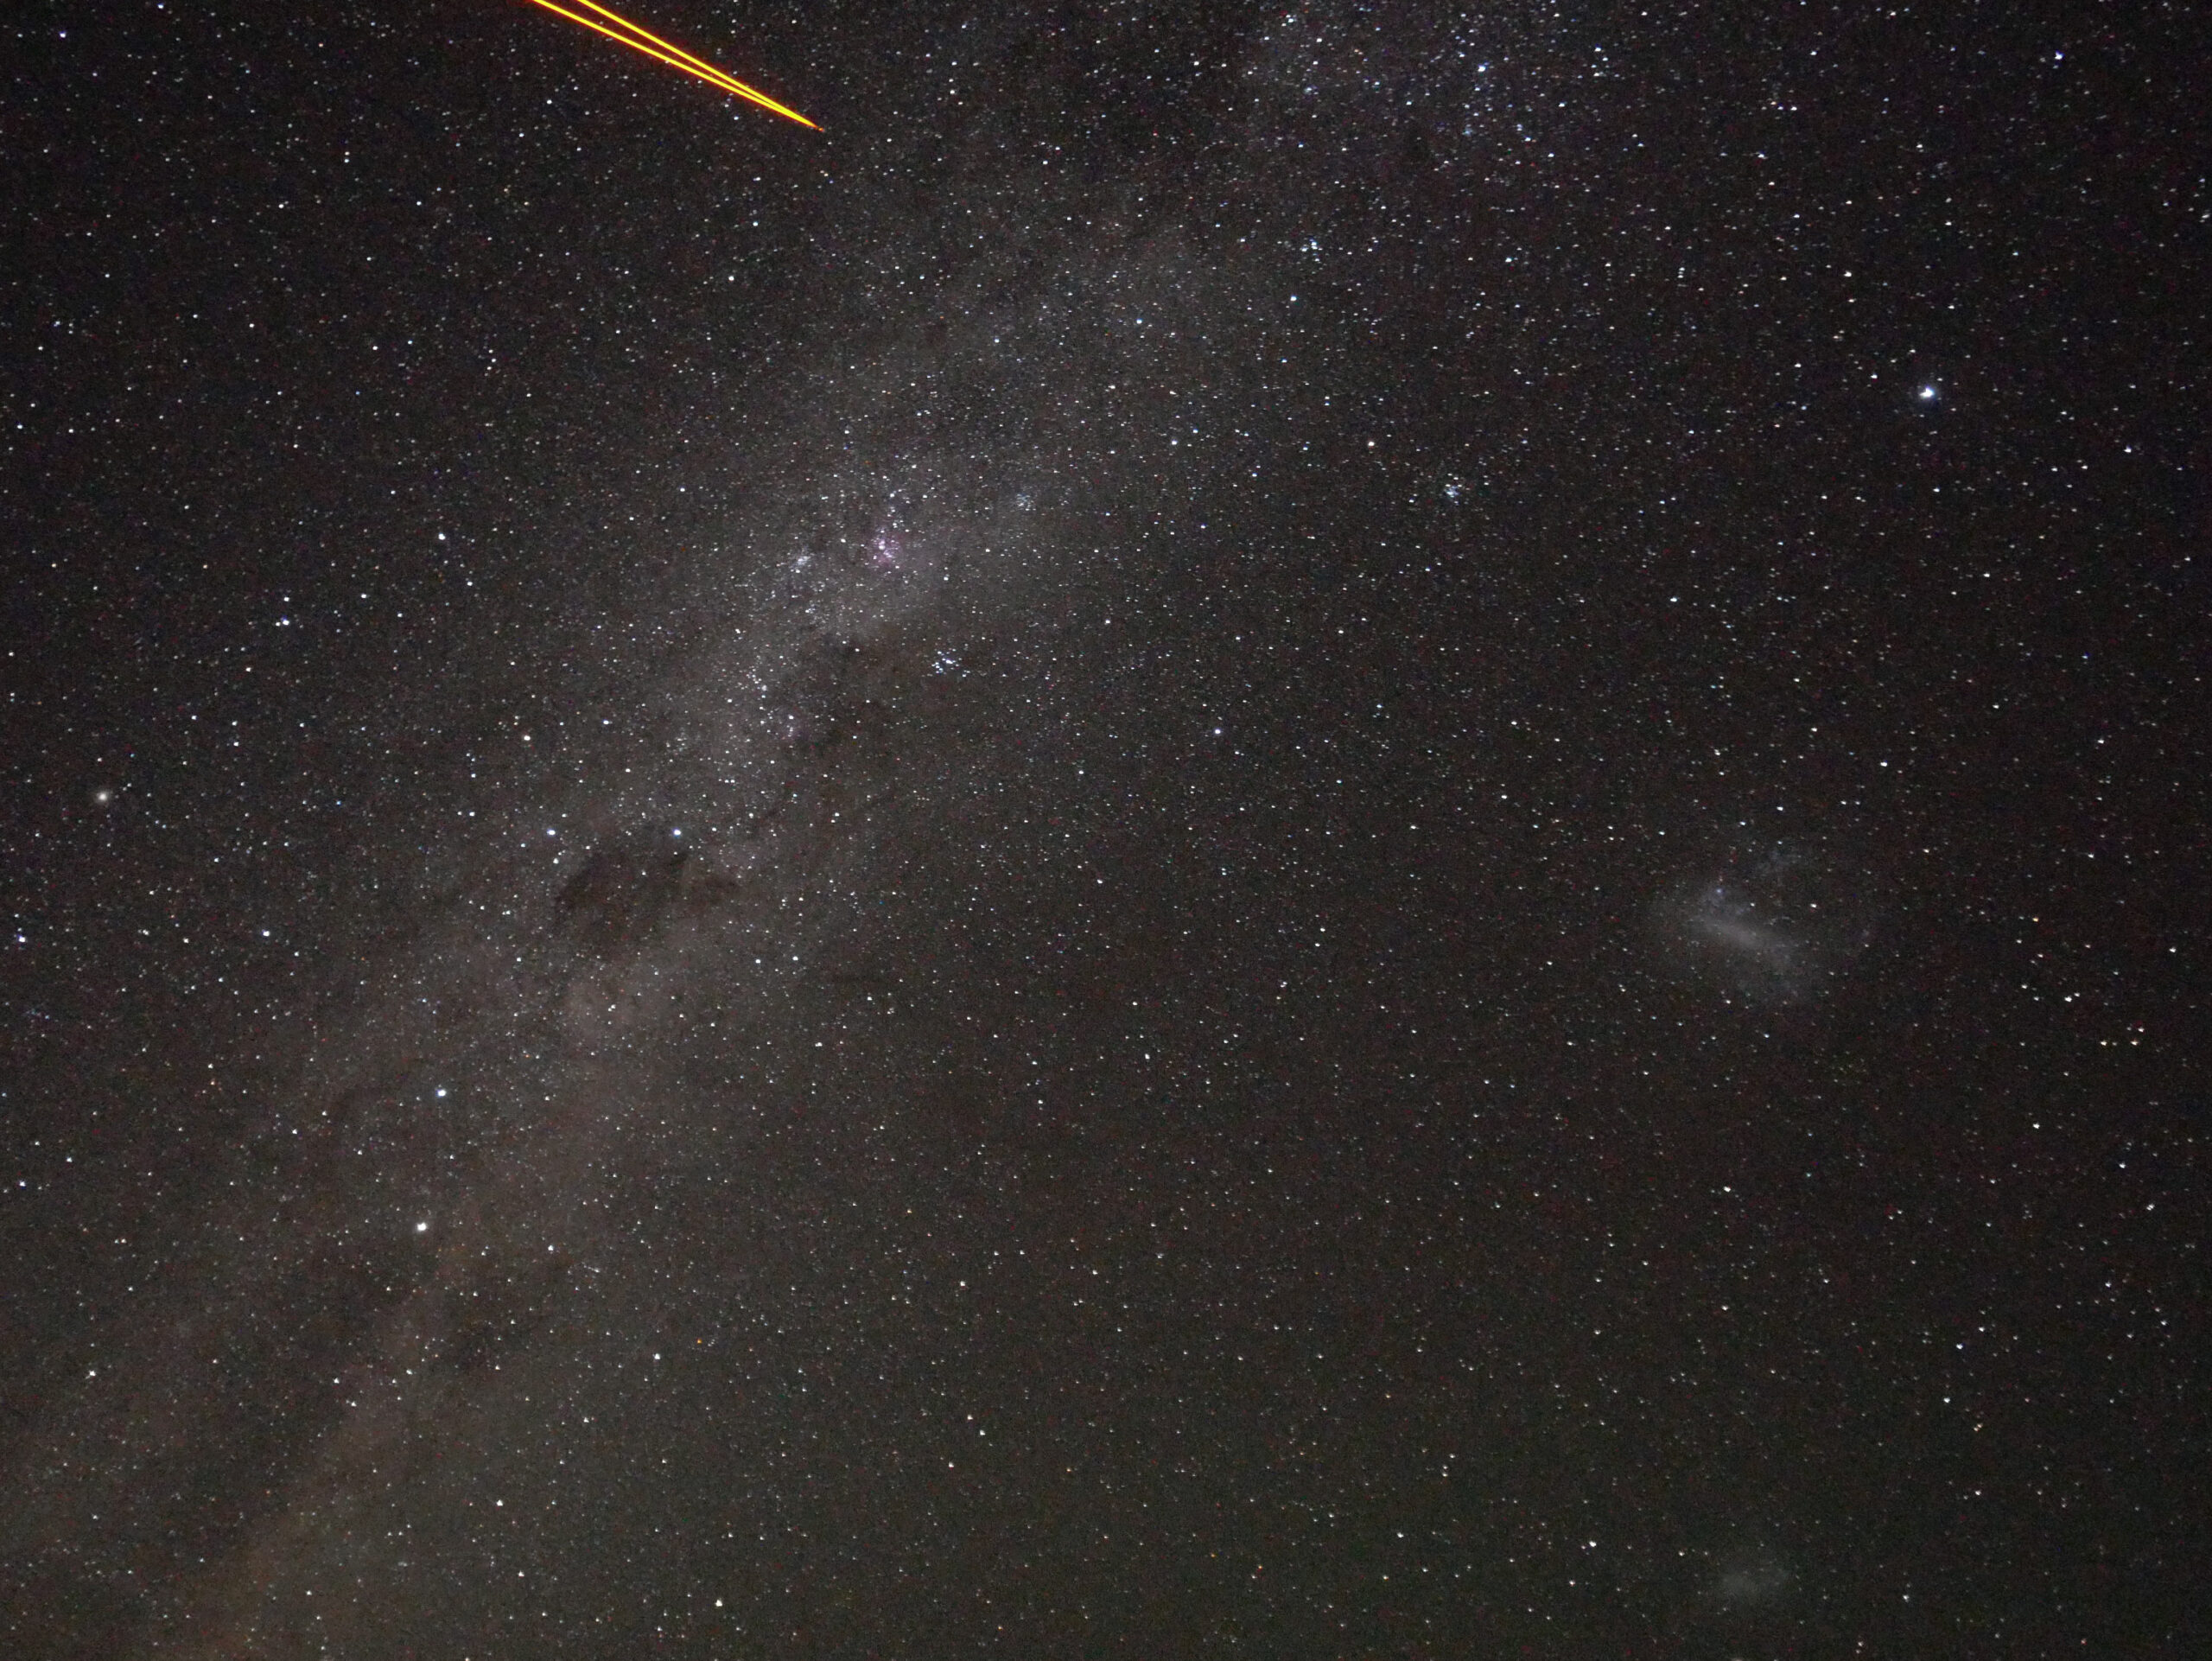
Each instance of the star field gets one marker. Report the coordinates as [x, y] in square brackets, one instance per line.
[1321, 830]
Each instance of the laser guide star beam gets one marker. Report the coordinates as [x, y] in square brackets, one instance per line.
[620, 29]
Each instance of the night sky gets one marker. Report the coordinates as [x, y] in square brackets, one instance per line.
[1336, 831]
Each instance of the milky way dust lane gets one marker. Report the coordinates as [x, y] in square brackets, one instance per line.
[638, 39]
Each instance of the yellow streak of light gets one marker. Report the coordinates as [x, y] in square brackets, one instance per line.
[699, 64]
[675, 56]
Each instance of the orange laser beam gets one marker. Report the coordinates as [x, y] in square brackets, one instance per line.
[714, 78]
[696, 64]
[691, 59]
[675, 56]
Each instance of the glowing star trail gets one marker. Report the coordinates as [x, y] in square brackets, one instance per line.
[676, 57]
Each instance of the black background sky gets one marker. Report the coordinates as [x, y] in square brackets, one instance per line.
[1324, 831]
